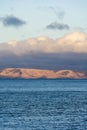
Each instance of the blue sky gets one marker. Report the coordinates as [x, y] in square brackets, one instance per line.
[22, 19]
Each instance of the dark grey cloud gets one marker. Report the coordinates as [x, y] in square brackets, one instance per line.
[12, 21]
[58, 12]
[58, 26]
[45, 61]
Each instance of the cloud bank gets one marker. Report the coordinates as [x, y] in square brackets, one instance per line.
[71, 43]
[12, 21]
[68, 52]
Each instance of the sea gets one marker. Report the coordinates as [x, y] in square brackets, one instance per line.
[43, 104]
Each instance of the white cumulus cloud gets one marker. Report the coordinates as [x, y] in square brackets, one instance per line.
[74, 42]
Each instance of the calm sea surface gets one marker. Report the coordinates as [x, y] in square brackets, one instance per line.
[43, 104]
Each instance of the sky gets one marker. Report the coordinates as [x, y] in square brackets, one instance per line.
[43, 34]
[23, 19]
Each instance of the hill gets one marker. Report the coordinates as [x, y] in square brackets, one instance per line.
[38, 73]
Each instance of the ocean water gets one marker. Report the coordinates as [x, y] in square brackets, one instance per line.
[43, 104]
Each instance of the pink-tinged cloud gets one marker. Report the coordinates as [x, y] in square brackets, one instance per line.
[74, 42]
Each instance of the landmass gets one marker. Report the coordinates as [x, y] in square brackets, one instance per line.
[39, 73]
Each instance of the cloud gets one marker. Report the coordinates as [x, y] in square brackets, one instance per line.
[67, 52]
[12, 21]
[58, 26]
[52, 61]
[58, 12]
[75, 42]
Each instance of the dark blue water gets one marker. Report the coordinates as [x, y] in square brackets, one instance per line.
[43, 104]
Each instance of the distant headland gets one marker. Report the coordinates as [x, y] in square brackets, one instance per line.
[39, 73]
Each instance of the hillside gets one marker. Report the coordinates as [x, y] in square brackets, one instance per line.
[37, 73]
